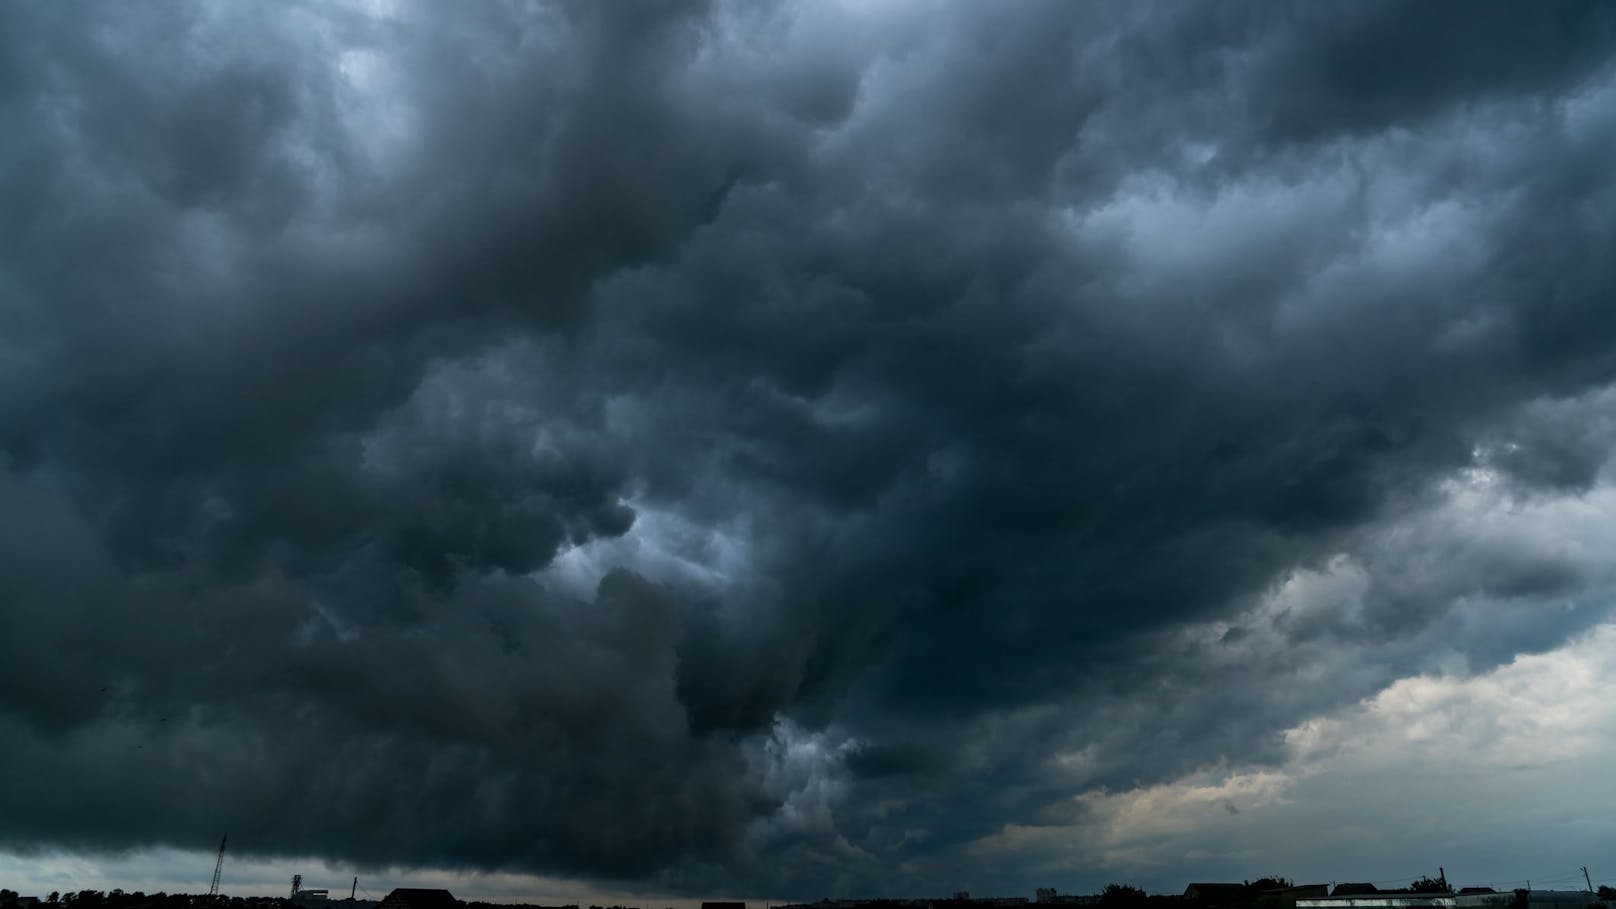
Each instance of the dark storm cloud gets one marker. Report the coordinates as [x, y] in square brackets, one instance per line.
[1353, 73]
[679, 445]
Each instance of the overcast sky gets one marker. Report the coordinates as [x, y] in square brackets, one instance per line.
[789, 450]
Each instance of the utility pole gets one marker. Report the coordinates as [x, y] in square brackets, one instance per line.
[218, 866]
[1586, 880]
[355, 888]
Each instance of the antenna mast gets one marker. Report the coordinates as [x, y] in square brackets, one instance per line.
[213, 891]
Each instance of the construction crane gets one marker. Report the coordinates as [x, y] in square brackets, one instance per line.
[218, 866]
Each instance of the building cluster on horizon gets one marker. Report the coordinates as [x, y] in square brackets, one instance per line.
[1268, 893]
[1365, 896]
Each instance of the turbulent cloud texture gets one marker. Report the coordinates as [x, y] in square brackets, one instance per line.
[791, 448]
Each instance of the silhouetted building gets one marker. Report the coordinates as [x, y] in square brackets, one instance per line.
[720, 904]
[1287, 896]
[1404, 899]
[419, 898]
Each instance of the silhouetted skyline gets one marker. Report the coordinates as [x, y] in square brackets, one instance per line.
[793, 450]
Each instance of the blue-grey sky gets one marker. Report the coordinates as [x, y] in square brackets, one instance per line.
[792, 450]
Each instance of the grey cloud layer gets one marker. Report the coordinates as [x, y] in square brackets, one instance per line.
[680, 444]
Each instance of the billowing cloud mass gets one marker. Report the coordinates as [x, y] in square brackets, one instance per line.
[802, 449]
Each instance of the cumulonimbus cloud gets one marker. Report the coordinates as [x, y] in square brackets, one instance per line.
[676, 446]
